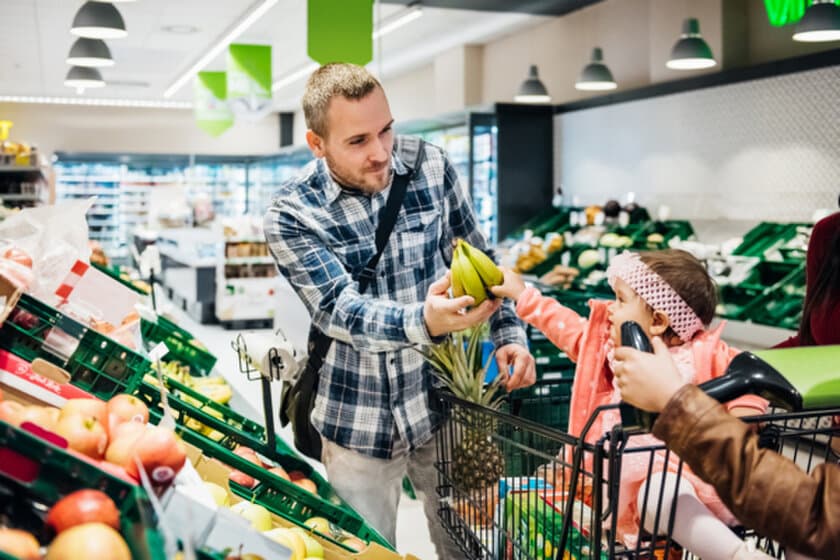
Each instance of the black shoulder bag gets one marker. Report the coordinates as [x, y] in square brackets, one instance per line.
[298, 399]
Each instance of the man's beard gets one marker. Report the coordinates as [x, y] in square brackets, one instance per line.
[359, 182]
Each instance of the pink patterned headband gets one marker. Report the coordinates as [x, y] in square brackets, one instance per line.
[656, 292]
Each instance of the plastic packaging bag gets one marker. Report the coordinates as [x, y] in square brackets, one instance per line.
[55, 237]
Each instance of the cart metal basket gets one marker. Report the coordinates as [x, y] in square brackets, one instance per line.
[559, 496]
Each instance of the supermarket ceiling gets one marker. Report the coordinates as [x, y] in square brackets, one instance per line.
[166, 37]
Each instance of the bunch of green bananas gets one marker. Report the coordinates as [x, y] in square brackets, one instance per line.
[473, 272]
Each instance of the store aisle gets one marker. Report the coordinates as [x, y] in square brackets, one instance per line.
[412, 532]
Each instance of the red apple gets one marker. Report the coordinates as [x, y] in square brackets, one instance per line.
[296, 475]
[354, 543]
[307, 485]
[90, 540]
[121, 447]
[240, 477]
[83, 506]
[24, 319]
[19, 256]
[87, 407]
[11, 412]
[161, 454]
[279, 471]
[85, 434]
[126, 408]
[19, 544]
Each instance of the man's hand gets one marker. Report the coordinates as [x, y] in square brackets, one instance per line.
[647, 381]
[524, 366]
[444, 315]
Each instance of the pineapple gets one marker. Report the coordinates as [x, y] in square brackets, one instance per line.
[477, 460]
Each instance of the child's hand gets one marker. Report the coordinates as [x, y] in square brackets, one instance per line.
[512, 287]
[645, 380]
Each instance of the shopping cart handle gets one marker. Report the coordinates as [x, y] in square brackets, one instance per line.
[749, 374]
[632, 418]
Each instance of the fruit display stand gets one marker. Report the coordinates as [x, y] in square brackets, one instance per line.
[283, 497]
[95, 362]
[123, 277]
[182, 345]
[35, 474]
[246, 279]
[214, 471]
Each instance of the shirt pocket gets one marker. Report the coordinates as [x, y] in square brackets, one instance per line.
[418, 239]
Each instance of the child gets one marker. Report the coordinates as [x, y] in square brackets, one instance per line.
[670, 294]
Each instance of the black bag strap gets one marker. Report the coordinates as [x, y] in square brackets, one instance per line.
[319, 343]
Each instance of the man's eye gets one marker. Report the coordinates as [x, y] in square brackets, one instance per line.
[357, 141]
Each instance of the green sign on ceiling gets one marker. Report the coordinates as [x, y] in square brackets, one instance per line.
[249, 80]
[340, 31]
[210, 107]
[784, 12]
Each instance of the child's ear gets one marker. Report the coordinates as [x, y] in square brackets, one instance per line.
[660, 323]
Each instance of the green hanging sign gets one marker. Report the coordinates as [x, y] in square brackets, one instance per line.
[785, 12]
[340, 31]
[212, 113]
[249, 80]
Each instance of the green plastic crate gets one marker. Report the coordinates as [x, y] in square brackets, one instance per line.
[34, 471]
[282, 497]
[181, 344]
[765, 237]
[234, 428]
[98, 364]
[115, 273]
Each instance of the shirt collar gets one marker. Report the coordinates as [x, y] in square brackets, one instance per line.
[332, 190]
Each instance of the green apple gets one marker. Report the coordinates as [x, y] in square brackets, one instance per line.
[313, 547]
[290, 540]
[319, 524]
[220, 495]
[258, 516]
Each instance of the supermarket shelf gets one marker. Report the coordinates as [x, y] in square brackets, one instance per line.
[21, 197]
[90, 178]
[249, 260]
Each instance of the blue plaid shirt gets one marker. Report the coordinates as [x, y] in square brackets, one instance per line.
[373, 384]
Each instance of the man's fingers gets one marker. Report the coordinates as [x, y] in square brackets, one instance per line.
[440, 286]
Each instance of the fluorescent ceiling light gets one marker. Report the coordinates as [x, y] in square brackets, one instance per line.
[93, 53]
[97, 102]
[221, 44]
[388, 25]
[98, 20]
[295, 76]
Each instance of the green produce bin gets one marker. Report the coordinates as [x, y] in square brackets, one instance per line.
[35, 474]
[181, 344]
[95, 363]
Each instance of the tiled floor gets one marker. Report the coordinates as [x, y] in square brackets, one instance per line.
[412, 531]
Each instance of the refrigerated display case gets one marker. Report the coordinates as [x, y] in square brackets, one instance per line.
[267, 174]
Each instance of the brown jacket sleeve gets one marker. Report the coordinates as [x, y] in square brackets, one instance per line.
[765, 491]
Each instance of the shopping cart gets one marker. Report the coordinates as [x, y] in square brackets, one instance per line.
[559, 495]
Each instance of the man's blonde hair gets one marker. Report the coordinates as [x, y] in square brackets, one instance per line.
[337, 78]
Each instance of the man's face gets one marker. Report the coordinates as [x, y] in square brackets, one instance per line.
[359, 141]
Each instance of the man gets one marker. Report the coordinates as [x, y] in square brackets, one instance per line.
[765, 491]
[374, 408]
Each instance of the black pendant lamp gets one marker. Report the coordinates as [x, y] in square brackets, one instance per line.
[84, 77]
[98, 20]
[691, 52]
[820, 23]
[93, 53]
[595, 75]
[532, 89]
